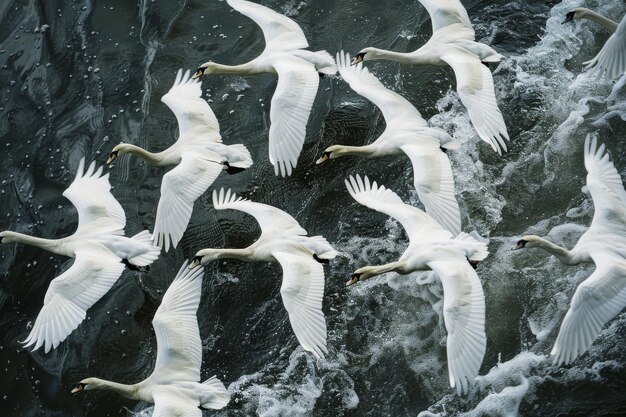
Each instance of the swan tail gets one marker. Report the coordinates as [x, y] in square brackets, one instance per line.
[150, 253]
[327, 65]
[475, 250]
[242, 159]
[213, 394]
[322, 248]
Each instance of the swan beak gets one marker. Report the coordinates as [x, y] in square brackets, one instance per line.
[112, 157]
[325, 157]
[79, 388]
[519, 245]
[199, 73]
[196, 261]
[568, 18]
[353, 280]
[358, 58]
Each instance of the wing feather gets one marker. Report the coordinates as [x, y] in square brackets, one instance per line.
[611, 60]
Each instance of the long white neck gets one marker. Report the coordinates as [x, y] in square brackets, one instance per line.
[128, 391]
[245, 69]
[374, 270]
[149, 157]
[602, 20]
[51, 245]
[362, 151]
[244, 254]
[401, 57]
[566, 256]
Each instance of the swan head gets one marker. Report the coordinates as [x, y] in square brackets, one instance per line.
[117, 150]
[85, 385]
[574, 14]
[203, 257]
[360, 275]
[331, 152]
[364, 54]
[206, 68]
[526, 242]
[8, 236]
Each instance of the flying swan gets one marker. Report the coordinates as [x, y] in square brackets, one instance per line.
[298, 79]
[406, 132]
[101, 252]
[283, 240]
[602, 296]
[611, 60]
[453, 259]
[199, 156]
[453, 43]
[173, 387]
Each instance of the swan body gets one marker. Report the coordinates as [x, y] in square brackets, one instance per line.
[611, 60]
[173, 386]
[452, 258]
[199, 156]
[603, 294]
[100, 250]
[283, 240]
[453, 43]
[298, 80]
[406, 133]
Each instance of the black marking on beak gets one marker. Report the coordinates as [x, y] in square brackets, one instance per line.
[325, 157]
[199, 73]
[568, 17]
[354, 279]
[197, 260]
[79, 388]
[520, 244]
[358, 58]
[113, 156]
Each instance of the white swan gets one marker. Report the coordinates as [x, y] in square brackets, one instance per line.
[611, 60]
[298, 79]
[173, 386]
[603, 295]
[452, 43]
[406, 132]
[431, 247]
[100, 249]
[301, 257]
[199, 156]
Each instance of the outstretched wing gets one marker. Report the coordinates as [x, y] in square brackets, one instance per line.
[180, 188]
[71, 294]
[435, 185]
[179, 350]
[604, 182]
[168, 404]
[280, 32]
[395, 108]
[191, 111]
[418, 225]
[596, 301]
[474, 84]
[290, 109]
[272, 220]
[464, 316]
[611, 60]
[91, 194]
[302, 292]
[444, 13]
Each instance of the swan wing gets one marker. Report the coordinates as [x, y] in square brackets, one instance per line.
[71, 294]
[192, 112]
[280, 32]
[418, 225]
[596, 301]
[611, 60]
[90, 193]
[180, 188]
[476, 90]
[444, 13]
[394, 107]
[290, 109]
[603, 181]
[273, 221]
[302, 291]
[168, 403]
[464, 317]
[179, 349]
[435, 185]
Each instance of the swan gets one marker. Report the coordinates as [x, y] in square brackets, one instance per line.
[173, 386]
[452, 43]
[298, 79]
[199, 156]
[453, 259]
[602, 295]
[283, 240]
[101, 251]
[406, 132]
[611, 60]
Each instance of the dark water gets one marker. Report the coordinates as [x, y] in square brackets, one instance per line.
[78, 77]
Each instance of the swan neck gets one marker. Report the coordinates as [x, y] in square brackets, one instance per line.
[47, 244]
[246, 68]
[602, 20]
[562, 254]
[128, 391]
[400, 57]
[372, 271]
[241, 254]
[149, 157]
[355, 150]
